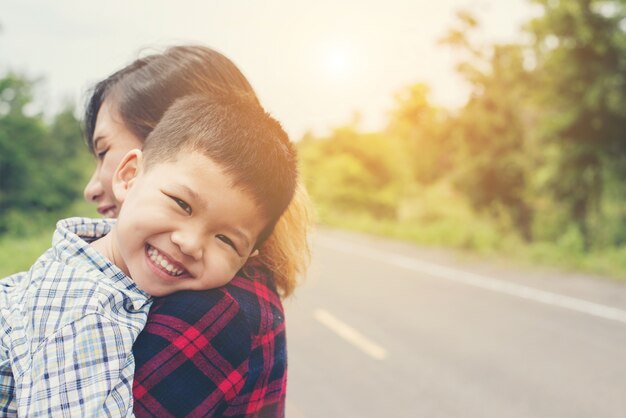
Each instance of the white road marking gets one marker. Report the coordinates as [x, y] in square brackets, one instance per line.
[484, 282]
[351, 335]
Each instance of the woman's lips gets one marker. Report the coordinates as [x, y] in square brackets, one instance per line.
[108, 211]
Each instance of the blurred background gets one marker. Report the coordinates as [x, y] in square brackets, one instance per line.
[491, 132]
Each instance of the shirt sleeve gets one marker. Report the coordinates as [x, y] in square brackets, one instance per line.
[7, 392]
[84, 369]
[7, 383]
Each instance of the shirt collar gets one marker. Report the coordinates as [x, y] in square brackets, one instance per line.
[71, 243]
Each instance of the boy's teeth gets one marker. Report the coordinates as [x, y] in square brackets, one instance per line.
[162, 261]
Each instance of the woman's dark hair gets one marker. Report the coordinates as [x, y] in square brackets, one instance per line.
[143, 90]
[101, 90]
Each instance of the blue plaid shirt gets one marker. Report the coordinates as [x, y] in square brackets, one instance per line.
[67, 330]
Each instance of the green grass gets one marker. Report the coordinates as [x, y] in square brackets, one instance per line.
[439, 216]
[19, 251]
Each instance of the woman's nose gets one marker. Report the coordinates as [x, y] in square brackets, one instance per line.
[93, 190]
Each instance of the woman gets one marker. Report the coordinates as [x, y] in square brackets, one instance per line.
[216, 353]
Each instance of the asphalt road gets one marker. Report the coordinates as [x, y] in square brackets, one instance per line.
[385, 329]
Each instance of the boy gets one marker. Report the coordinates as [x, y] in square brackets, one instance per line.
[212, 180]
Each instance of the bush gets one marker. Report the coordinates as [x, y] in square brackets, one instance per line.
[354, 173]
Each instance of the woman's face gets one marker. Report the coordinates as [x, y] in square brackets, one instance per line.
[111, 141]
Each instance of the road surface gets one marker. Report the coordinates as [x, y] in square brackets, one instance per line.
[386, 329]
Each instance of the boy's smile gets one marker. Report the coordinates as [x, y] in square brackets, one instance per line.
[163, 264]
[182, 225]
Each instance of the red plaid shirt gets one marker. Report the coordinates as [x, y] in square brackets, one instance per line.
[219, 353]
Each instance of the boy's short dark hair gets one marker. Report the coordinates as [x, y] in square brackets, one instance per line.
[237, 134]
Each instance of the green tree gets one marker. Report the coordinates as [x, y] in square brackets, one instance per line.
[580, 53]
[492, 163]
[41, 165]
[351, 172]
[421, 128]
[19, 139]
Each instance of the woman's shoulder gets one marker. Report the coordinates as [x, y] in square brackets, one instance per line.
[239, 327]
[251, 296]
[254, 289]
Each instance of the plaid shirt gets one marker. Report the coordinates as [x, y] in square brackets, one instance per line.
[68, 326]
[217, 353]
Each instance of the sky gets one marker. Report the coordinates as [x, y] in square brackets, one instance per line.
[314, 64]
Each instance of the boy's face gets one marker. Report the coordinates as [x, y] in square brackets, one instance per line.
[182, 225]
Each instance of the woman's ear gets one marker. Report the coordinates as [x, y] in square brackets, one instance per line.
[126, 172]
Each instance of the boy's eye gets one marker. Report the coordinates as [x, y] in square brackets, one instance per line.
[183, 205]
[228, 241]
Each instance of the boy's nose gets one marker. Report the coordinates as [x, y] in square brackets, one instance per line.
[93, 190]
[190, 243]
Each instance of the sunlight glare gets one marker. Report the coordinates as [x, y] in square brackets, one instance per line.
[337, 62]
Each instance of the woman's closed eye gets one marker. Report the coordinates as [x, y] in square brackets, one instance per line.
[100, 154]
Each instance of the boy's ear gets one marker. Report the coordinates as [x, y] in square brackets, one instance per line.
[126, 173]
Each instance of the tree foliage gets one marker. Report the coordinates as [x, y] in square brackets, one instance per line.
[41, 164]
[353, 172]
[422, 130]
[539, 147]
[580, 49]
[491, 130]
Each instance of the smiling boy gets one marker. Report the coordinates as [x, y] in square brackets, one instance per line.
[161, 235]
[211, 182]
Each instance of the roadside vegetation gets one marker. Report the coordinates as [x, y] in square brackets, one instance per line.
[532, 167]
